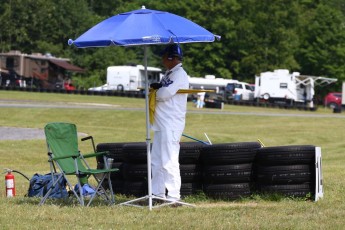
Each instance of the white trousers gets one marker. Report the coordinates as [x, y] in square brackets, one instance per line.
[165, 163]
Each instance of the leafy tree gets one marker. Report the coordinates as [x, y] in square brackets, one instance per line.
[265, 37]
[322, 51]
[304, 35]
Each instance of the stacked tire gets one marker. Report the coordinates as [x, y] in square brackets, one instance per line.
[286, 170]
[135, 169]
[190, 168]
[116, 153]
[228, 169]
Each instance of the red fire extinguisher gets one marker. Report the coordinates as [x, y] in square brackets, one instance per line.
[10, 186]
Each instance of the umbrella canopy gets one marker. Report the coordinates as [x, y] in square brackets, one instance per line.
[143, 27]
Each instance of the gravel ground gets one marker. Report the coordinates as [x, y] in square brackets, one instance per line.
[13, 133]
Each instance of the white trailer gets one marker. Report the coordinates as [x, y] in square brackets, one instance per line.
[209, 82]
[128, 78]
[280, 86]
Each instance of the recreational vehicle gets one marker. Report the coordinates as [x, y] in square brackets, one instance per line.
[281, 86]
[128, 78]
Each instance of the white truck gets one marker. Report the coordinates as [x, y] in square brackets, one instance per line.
[281, 86]
[239, 91]
[128, 78]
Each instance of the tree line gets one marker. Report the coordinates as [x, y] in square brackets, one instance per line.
[307, 36]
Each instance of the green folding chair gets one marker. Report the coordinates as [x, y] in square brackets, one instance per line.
[63, 152]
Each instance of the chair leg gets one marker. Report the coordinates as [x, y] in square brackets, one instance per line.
[74, 192]
[111, 189]
[81, 197]
[110, 199]
[45, 197]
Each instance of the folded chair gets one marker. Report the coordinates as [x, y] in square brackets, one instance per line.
[66, 159]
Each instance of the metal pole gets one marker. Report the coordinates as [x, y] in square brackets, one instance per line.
[148, 138]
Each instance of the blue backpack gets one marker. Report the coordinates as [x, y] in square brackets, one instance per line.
[40, 185]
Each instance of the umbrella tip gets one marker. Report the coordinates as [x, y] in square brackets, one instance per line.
[70, 42]
[218, 37]
[143, 7]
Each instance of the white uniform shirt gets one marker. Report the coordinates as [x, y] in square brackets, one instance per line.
[170, 112]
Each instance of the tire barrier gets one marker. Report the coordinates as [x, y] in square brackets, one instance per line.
[229, 153]
[227, 171]
[190, 152]
[227, 191]
[135, 152]
[135, 169]
[286, 170]
[190, 168]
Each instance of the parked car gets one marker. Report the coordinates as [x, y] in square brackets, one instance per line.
[239, 91]
[333, 100]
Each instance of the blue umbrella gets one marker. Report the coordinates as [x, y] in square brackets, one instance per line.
[144, 27]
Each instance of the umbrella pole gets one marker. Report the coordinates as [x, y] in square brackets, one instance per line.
[148, 138]
[148, 142]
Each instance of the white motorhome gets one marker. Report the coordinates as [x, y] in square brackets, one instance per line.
[281, 86]
[209, 82]
[128, 78]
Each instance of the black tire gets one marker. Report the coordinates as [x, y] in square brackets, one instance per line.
[120, 88]
[332, 105]
[188, 189]
[135, 153]
[137, 188]
[227, 174]
[134, 172]
[285, 174]
[114, 149]
[116, 184]
[113, 175]
[294, 190]
[231, 153]
[227, 191]
[190, 173]
[190, 152]
[286, 155]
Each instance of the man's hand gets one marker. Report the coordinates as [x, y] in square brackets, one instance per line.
[156, 85]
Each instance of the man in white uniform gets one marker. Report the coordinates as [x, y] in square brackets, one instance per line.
[168, 125]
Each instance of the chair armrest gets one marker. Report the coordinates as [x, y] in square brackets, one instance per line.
[95, 154]
[64, 157]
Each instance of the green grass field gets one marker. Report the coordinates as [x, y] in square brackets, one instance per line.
[125, 122]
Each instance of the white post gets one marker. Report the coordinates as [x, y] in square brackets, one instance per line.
[318, 174]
